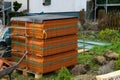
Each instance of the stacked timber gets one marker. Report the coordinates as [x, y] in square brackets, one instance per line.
[50, 39]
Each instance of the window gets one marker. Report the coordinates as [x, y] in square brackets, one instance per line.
[46, 2]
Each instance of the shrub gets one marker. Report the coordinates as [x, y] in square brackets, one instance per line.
[110, 35]
[64, 74]
[16, 6]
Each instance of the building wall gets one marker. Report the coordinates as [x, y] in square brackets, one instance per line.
[36, 6]
[80, 4]
[24, 4]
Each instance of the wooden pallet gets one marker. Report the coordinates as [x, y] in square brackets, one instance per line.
[110, 76]
[82, 50]
[27, 72]
[4, 78]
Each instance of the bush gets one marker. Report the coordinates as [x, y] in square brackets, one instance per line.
[16, 6]
[15, 14]
[64, 74]
[110, 35]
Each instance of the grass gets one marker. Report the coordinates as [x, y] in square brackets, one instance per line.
[87, 57]
[100, 49]
[94, 36]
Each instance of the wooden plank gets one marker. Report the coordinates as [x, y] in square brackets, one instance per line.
[82, 50]
[110, 76]
[4, 78]
[27, 72]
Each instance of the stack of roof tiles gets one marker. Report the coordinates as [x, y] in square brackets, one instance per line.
[50, 39]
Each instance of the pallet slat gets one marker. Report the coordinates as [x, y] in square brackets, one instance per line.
[47, 29]
[46, 47]
[110, 76]
[27, 72]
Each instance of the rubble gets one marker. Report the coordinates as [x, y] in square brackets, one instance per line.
[4, 63]
[100, 60]
[110, 55]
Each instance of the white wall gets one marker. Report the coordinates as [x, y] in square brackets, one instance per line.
[36, 6]
[80, 4]
[24, 3]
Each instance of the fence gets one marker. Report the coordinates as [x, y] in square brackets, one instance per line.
[111, 21]
[82, 16]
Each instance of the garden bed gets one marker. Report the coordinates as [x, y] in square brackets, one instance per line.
[83, 59]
